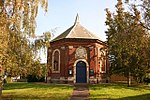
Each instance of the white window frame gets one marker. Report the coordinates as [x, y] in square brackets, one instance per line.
[53, 71]
[102, 50]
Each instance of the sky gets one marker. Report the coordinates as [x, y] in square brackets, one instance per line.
[62, 13]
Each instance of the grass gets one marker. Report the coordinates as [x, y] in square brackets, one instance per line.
[32, 91]
[119, 92]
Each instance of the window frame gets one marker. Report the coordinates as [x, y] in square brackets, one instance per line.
[102, 50]
[53, 58]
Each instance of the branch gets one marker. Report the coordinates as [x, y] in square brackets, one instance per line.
[146, 27]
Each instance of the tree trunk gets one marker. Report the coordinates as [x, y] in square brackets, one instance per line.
[1, 88]
[129, 79]
[0, 92]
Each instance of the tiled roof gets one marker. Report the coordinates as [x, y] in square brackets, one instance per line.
[76, 31]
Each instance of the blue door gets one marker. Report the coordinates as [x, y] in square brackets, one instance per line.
[81, 72]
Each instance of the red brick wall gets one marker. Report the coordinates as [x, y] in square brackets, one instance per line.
[67, 54]
[116, 77]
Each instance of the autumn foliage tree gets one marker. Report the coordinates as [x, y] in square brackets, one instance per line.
[17, 27]
[126, 40]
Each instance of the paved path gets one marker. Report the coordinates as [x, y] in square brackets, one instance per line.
[80, 92]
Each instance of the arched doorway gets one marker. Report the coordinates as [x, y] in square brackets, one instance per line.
[81, 72]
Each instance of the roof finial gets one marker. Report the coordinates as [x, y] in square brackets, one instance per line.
[77, 19]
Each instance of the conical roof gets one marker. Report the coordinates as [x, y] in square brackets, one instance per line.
[76, 31]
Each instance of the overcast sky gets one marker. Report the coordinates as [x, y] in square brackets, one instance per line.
[61, 15]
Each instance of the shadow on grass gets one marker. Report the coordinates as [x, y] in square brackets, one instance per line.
[33, 98]
[115, 90]
[11, 96]
[138, 97]
[119, 86]
[36, 91]
[10, 86]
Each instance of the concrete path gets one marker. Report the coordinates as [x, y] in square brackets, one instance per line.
[80, 92]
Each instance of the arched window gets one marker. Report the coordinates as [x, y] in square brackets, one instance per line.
[56, 61]
[102, 60]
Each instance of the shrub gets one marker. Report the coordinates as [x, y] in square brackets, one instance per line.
[33, 78]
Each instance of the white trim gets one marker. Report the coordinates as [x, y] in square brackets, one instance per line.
[87, 69]
[81, 53]
[48, 79]
[62, 79]
[53, 61]
[71, 31]
[97, 61]
[70, 47]
[101, 61]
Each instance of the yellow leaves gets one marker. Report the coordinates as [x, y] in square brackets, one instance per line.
[17, 24]
[137, 15]
[3, 38]
[18, 1]
[22, 13]
[44, 4]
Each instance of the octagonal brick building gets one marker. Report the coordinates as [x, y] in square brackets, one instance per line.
[77, 56]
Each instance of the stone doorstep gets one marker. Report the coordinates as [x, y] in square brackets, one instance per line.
[79, 98]
[83, 93]
[81, 88]
[80, 92]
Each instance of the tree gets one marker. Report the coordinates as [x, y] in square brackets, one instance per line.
[126, 41]
[144, 7]
[17, 25]
[40, 43]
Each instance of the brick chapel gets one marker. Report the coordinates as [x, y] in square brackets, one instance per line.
[77, 56]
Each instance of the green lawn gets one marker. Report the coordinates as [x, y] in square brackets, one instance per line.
[119, 92]
[32, 91]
